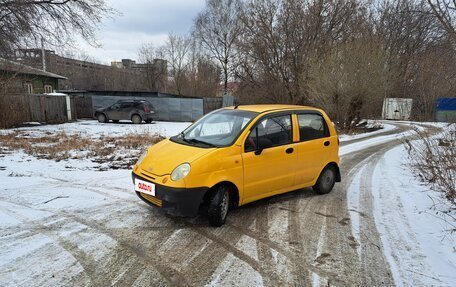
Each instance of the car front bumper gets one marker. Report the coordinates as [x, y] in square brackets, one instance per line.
[174, 201]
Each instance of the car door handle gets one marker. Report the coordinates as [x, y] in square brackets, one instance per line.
[327, 143]
[289, 150]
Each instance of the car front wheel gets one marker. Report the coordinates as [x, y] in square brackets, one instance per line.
[218, 206]
[326, 181]
[101, 118]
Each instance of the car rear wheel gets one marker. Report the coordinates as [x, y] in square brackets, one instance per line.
[101, 118]
[218, 206]
[326, 181]
[136, 119]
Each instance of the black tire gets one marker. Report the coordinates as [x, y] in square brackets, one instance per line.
[136, 119]
[148, 121]
[218, 206]
[101, 118]
[326, 181]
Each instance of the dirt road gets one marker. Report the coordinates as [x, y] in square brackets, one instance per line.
[297, 239]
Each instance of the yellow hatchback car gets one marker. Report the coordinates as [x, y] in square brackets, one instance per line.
[236, 155]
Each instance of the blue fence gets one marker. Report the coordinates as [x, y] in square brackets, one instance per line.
[446, 110]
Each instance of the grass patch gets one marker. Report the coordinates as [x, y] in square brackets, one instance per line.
[108, 151]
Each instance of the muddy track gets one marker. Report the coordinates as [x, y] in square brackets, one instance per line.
[298, 238]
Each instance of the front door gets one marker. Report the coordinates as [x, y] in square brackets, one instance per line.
[113, 112]
[272, 171]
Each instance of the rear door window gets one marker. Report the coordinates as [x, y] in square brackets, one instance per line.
[312, 126]
[126, 105]
[276, 130]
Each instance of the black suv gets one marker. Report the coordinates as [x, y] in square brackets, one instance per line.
[134, 110]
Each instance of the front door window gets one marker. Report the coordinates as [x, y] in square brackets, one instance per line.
[275, 131]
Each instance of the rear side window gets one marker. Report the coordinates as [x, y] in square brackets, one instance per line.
[312, 126]
[276, 130]
[126, 105]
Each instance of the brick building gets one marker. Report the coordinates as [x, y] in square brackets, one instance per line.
[126, 75]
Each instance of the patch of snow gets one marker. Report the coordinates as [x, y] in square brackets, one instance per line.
[235, 272]
[385, 128]
[248, 245]
[371, 142]
[316, 280]
[415, 240]
[93, 128]
[353, 204]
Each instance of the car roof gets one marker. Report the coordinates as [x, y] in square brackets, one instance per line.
[132, 101]
[271, 107]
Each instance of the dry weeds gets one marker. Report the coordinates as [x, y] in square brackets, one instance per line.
[110, 152]
[434, 160]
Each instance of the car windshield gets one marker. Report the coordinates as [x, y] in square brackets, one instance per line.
[219, 128]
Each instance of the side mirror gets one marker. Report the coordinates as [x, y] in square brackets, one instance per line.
[262, 144]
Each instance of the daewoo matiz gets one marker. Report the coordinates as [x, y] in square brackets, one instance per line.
[237, 155]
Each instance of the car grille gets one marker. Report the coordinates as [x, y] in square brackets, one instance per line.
[152, 199]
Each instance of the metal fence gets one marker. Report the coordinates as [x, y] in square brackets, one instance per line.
[210, 104]
[166, 109]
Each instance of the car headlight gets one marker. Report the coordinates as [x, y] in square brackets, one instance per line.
[141, 157]
[180, 172]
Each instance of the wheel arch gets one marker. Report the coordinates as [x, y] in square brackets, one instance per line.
[101, 113]
[137, 114]
[233, 193]
[336, 167]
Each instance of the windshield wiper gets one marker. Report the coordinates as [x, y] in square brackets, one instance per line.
[200, 142]
[197, 141]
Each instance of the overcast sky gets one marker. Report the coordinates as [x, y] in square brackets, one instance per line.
[142, 21]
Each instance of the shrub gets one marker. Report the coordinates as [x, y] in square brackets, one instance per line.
[433, 158]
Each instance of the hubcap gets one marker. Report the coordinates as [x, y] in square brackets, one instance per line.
[224, 205]
[328, 178]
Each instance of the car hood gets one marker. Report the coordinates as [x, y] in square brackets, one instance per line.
[163, 157]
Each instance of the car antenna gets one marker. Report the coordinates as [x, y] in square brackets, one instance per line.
[235, 107]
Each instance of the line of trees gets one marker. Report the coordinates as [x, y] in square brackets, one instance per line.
[342, 55]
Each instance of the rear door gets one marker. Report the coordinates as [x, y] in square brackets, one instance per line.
[273, 170]
[125, 110]
[313, 149]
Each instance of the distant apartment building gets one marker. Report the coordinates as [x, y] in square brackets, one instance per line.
[125, 75]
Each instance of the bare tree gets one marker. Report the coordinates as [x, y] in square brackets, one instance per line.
[279, 39]
[350, 81]
[154, 67]
[175, 51]
[218, 28]
[445, 12]
[54, 21]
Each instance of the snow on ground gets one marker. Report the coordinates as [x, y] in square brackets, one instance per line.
[409, 217]
[344, 150]
[412, 237]
[385, 128]
[92, 128]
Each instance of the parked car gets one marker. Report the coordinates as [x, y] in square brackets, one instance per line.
[135, 110]
[237, 155]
